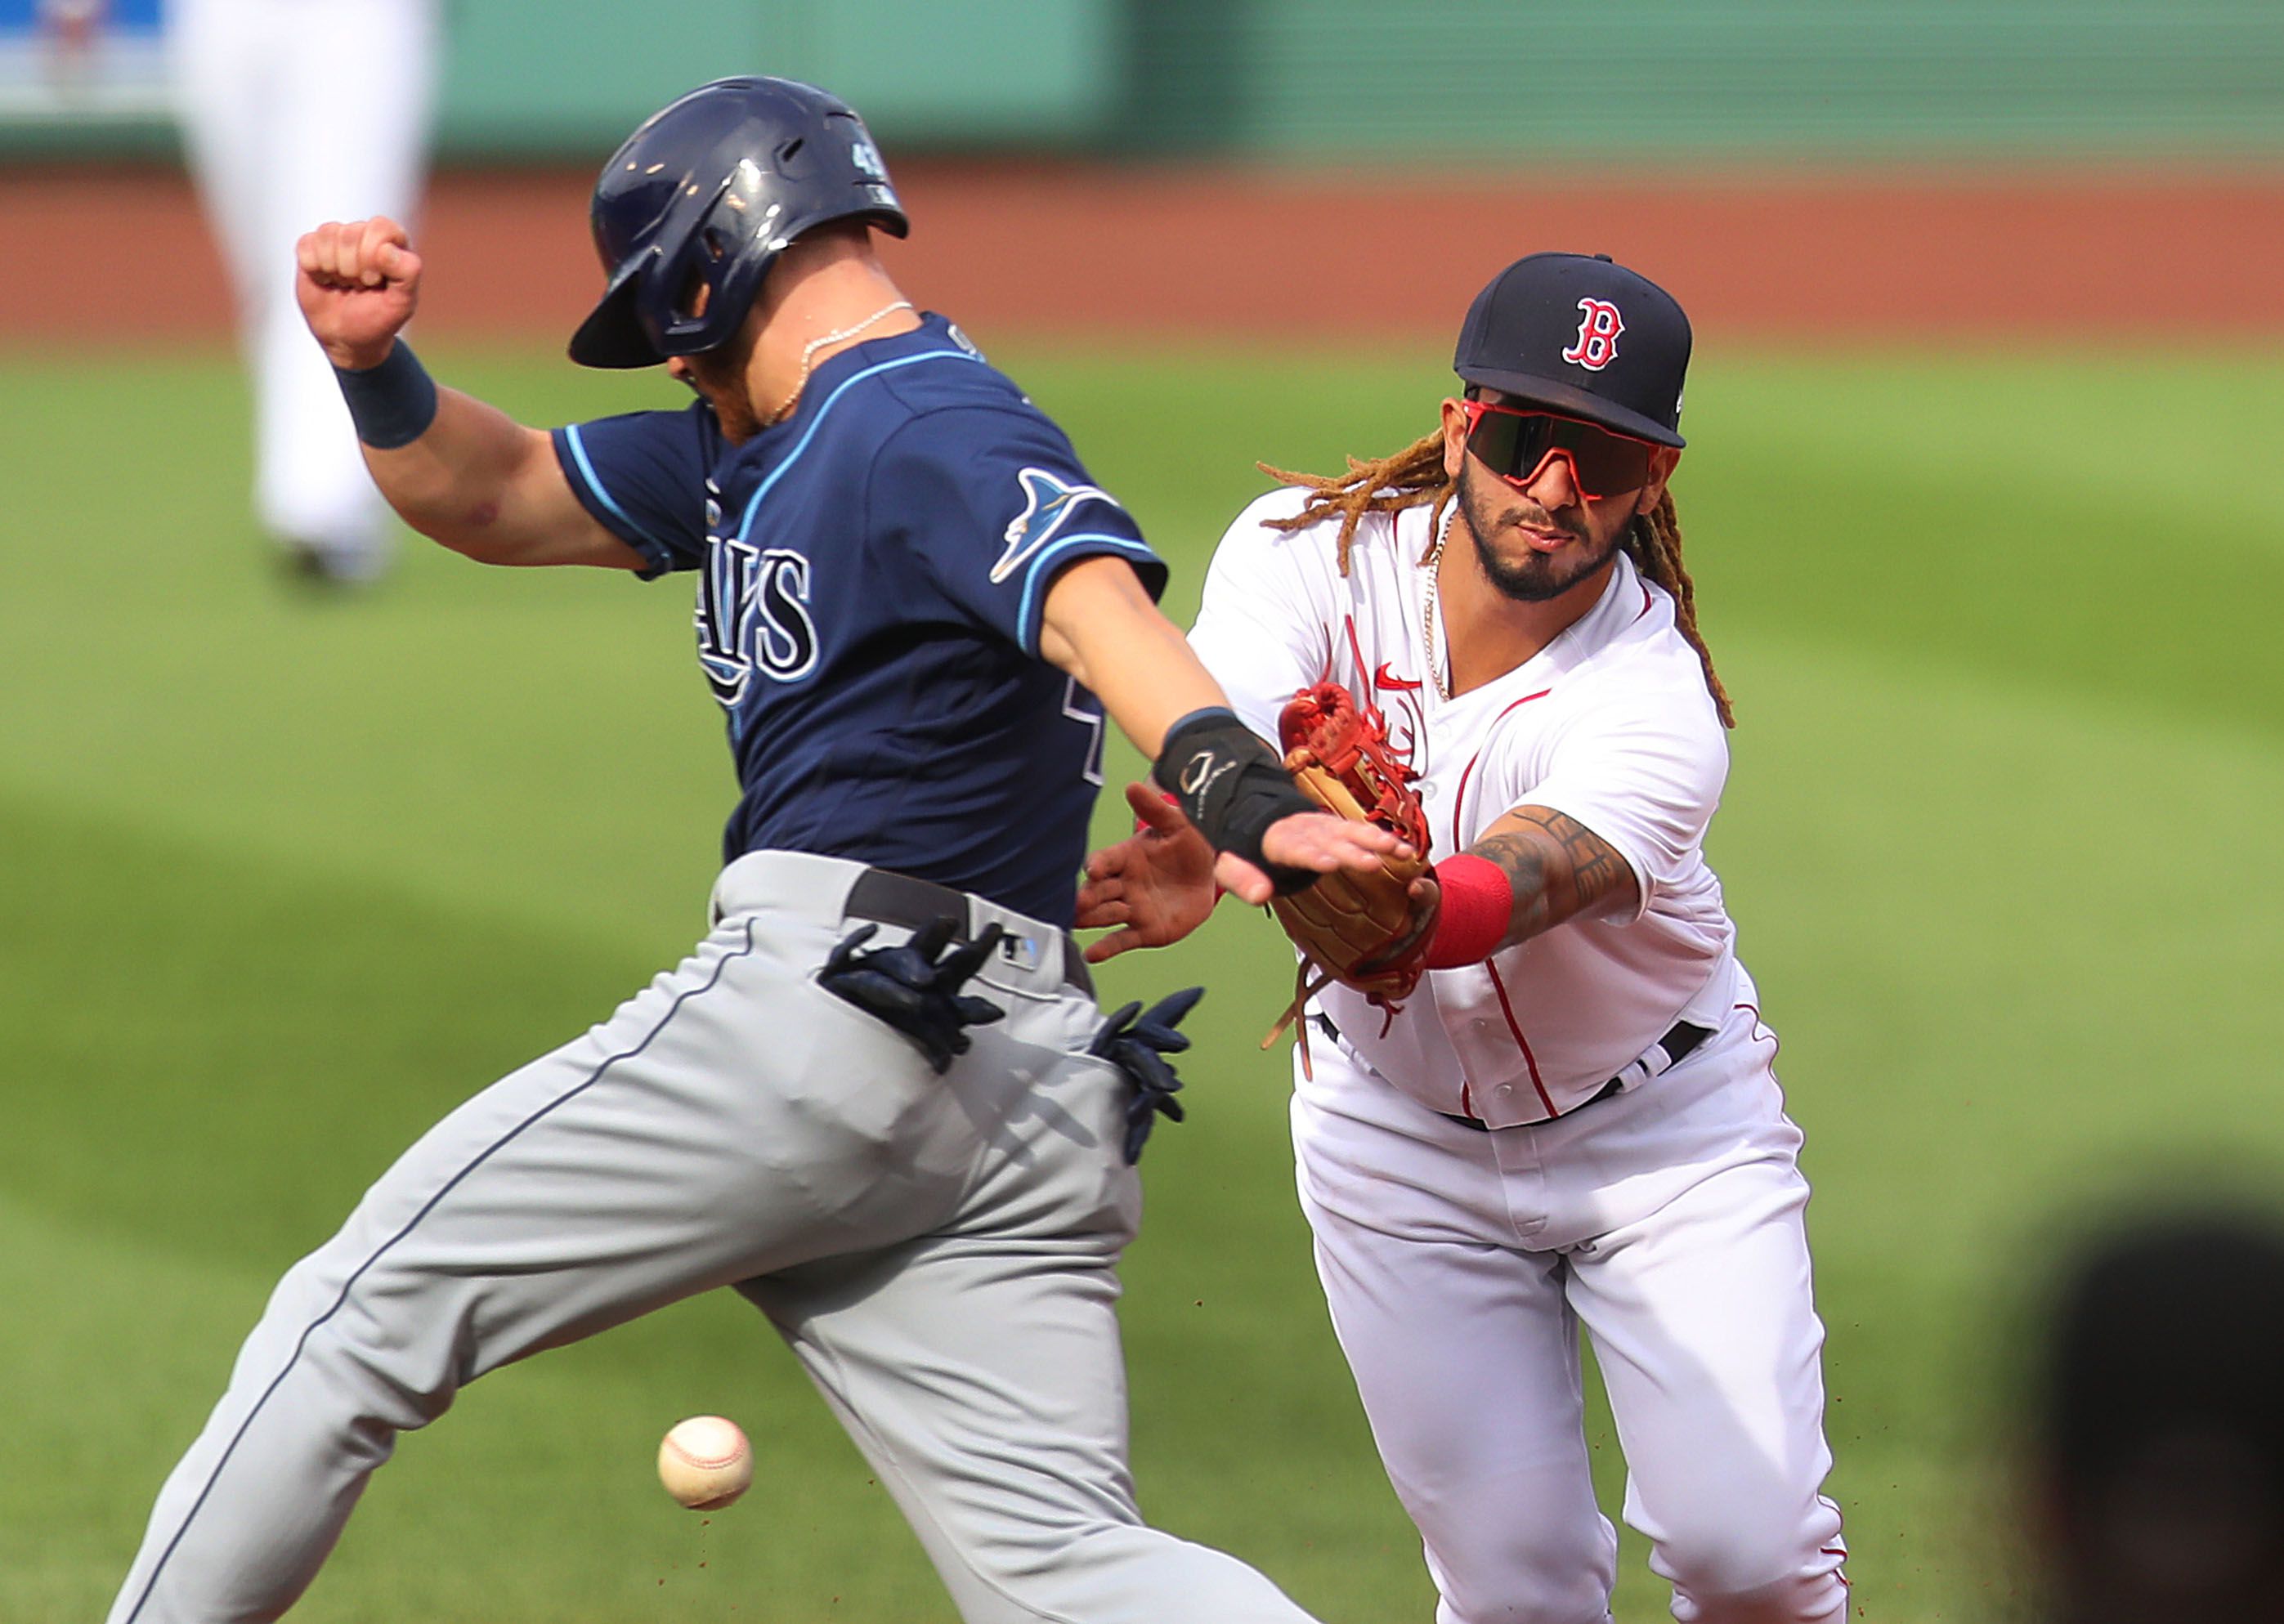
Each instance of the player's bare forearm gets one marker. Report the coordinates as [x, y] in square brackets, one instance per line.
[1557, 867]
[1100, 626]
[485, 486]
[471, 477]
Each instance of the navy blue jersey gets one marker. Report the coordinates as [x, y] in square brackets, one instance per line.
[872, 575]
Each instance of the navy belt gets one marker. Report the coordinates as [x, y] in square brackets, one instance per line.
[889, 898]
[1679, 1043]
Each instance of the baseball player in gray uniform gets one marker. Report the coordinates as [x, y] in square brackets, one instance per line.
[877, 1097]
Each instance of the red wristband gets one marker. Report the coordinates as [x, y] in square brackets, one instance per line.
[1478, 903]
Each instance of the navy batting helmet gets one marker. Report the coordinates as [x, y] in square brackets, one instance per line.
[705, 195]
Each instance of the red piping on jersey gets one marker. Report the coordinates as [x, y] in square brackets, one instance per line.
[1515, 1027]
[1459, 800]
[1826, 1501]
[1325, 671]
[1645, 603]
[1458, 806]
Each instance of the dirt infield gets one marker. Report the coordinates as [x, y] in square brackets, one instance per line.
[95, 255]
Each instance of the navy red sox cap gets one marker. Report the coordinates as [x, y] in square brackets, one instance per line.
[1581, 335]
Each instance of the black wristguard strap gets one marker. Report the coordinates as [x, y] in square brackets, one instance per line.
[1233, 787]
[392, 404]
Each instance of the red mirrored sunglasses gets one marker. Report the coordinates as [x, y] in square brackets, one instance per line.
[1514, 442]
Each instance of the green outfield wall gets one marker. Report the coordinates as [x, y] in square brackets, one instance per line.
[990, 73]
[1348, 81]
[1359, 77]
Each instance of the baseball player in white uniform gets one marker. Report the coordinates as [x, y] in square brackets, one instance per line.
[1573, 1119]
[295, 111]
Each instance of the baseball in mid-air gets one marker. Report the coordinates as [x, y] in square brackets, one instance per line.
[705, 1462]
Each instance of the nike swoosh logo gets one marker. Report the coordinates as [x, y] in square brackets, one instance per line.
[1385, 678]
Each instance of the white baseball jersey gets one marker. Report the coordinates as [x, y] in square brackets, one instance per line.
[1666, 1223]
[1611, 724]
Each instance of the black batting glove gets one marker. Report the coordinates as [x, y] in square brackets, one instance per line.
[913, 989]
[1140, 1048]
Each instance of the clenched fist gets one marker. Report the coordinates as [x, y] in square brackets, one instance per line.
[357, 285]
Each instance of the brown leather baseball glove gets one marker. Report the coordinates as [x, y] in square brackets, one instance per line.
[1367, 929]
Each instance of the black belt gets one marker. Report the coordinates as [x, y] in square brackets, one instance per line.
[1679, 1043]
[889, 898]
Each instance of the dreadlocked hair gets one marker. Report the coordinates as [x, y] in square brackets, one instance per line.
[1654, 542]
[1414, 477]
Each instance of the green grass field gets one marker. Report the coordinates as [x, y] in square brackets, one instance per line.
[283, 878]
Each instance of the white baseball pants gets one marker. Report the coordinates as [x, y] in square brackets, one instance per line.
[295, 113]
[1458, 1265]
[939, 1251]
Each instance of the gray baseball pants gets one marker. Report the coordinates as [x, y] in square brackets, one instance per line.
[939, 1251]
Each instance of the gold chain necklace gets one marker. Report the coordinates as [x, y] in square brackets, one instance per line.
[1427, 609]
[808, 354]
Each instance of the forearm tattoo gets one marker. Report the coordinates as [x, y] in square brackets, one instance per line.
[1558, 867]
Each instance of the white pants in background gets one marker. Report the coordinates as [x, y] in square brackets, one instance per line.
[294, 113]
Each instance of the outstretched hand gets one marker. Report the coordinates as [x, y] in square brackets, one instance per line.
[1319, 841]
[1157, 885]
[1160, 883]
[357, 283]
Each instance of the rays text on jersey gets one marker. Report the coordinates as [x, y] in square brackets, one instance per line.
[753, 615]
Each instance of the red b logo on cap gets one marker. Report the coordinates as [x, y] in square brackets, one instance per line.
[1597, 335]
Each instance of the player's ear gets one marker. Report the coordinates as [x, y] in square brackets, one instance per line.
[1663, 461]
[1455, 437]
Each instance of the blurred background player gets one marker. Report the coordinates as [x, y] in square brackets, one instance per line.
[1573, 1119]
[70, 29]
[295, 111]
[2158, 1463]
